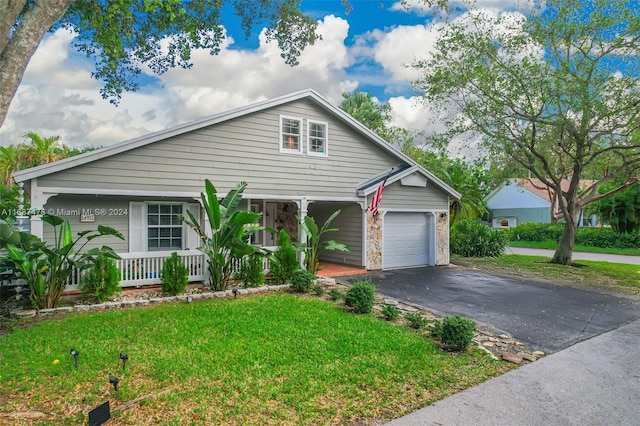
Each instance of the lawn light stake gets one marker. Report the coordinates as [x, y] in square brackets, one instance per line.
[75, 354]
[124, 357]
[114, 381]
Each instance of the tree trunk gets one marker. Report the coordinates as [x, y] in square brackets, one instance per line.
[19, 45]
[564, 251]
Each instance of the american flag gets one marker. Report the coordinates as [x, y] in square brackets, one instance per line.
[377, 197]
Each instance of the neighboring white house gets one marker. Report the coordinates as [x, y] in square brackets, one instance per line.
[524, 200]
[299, 154]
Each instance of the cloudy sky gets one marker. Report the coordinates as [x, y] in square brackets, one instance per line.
[366, 50]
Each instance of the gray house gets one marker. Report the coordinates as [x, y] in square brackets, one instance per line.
[299, 154]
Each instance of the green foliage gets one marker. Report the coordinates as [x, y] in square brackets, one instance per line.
[530, 231]
[285, 260]
[390, 312]
[102, 280]
[593, 237]
[621, 210]
[174, 275]
[230, 232]
[251, 271]
[416, 320]
[473, 239]
[335, 294]
[457, 331]
[360, 296]
[302, 280]
[8, 201]
[315, 243]
[318, 290]
[539, 95]
[123, 36]
[48, 269]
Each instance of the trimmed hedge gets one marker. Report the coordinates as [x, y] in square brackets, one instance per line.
[473, 239]
[594, 237]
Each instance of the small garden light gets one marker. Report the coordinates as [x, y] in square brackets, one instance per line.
[235, 292]
[75, 354]
[114, 381]
[124, 357]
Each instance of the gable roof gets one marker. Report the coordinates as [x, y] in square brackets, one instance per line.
[118, 148]
[537, 187]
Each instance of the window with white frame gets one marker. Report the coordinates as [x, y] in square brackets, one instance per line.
[164, 227]
[291, 135]
[317, 136]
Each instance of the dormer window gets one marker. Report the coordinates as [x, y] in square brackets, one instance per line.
[317, 136]
[290, 135]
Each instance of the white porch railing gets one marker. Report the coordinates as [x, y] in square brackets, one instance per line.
[144, 268]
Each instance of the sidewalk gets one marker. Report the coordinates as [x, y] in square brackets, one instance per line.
[595, 382]
[577, 255]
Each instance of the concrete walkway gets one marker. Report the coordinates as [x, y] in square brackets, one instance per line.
[595, 382]
[577, 255]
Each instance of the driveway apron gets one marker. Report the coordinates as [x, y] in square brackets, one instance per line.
[545, 316]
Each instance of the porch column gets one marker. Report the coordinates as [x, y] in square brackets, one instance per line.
[304, 210]
[38, 199]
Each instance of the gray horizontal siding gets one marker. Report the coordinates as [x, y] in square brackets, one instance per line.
[65, 207]
[246, 148]
[397, 196]
[349, 224]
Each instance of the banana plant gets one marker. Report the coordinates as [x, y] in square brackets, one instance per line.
[311, 248]
[47, 269]
[230, 232]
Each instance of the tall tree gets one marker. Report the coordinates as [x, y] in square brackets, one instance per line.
[10, 160]
[557, 92]
[122, 36]
[41, 150]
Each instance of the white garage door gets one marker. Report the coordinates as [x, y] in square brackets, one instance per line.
[406, 240]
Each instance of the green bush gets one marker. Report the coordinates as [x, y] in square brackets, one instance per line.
[536, 232]
[416, 320]
[457, 331]
[174, 275]
[336, 294]
[302, 280]
[251, 271]
[360, 297]
[390, 312]
[102, 281]
[473, 239]
[285, 261]
[318, 290]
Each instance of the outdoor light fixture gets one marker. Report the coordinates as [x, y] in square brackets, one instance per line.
[114, 381]
[235, 292]
[124, 357]
[75, 354]
[189, 299]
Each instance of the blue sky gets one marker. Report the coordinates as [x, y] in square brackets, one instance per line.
[366, 50]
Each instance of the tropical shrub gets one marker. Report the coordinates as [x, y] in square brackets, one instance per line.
[593, 237]
[285, 260]
[457, 332]
[251, 271]
[530, 231]
[335, 294]
[360, 296]
[318, 290]
[473, 239]
[416, 320]
[390, 312]
[311, 248]
[174, 275]
[48, 269]
[621, 210]
[230, 232]
[302, 280]
[102, 280]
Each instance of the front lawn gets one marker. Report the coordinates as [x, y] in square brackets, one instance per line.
[551, 245]
[276, 359]
[620, 276]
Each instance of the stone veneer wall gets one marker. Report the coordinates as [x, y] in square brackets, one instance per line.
[374, 242]
[442, 239]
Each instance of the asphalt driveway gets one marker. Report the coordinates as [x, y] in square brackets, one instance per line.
[543, 315]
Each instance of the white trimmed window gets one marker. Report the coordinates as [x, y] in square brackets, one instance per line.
[164, 227]
[291, 135]
[317, 138]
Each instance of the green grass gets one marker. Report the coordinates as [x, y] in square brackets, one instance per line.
[589, 249]
[589, 273]
[277, 359]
